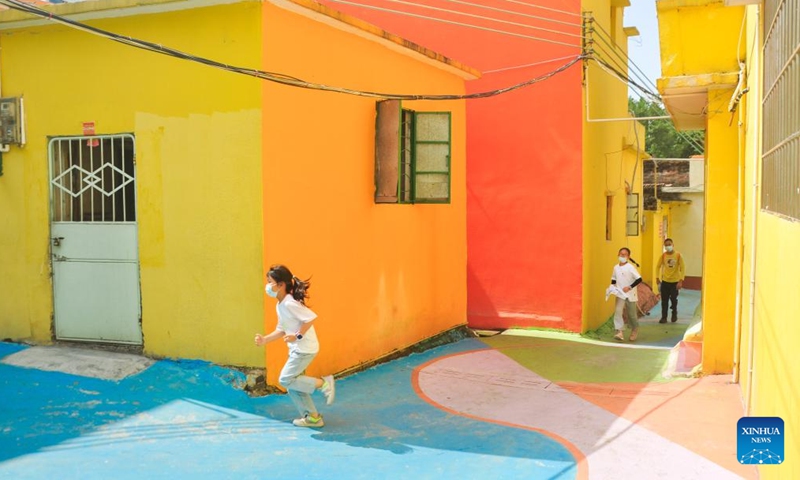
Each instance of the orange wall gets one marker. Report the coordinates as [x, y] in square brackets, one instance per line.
[383, 276]
[524, 176]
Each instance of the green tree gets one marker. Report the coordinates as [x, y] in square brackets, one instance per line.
[661, 138]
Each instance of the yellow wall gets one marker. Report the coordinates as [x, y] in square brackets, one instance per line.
[609, 161]
[383, 276]
[776, 376]
[775, 386]
[719, 243]
[687, 232]
[199, 162]
[776, 380]
[681, 21]
[653, 240]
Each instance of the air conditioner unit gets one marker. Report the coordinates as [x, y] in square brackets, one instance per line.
[11, 121]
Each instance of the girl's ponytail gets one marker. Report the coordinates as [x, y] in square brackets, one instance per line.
[300, 289]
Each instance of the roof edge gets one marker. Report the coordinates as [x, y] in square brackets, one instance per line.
[93, 10]
[337, 19]
[663, 5]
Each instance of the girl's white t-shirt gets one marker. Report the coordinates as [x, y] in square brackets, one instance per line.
[625, 275]
[291, 316]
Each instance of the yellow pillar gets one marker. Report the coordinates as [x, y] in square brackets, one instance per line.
[720, 233]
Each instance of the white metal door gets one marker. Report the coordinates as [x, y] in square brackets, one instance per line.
[94, 248]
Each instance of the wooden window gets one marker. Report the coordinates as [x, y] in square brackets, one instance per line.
[412, 155]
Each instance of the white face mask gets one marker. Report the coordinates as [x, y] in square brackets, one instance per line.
[623, 260]
[272, 293]
[669, 248]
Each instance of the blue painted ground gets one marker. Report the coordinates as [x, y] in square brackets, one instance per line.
[670, 334]
[184, 420]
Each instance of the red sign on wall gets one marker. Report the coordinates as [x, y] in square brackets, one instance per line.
[88, 130]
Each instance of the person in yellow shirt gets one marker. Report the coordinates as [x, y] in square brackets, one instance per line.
[670, 274]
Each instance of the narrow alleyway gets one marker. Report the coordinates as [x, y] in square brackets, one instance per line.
[517, 405]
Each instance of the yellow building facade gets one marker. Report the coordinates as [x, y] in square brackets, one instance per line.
[196, 130]
[744, 99]
[613, 150]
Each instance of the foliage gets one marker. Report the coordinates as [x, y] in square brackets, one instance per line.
[661, 138]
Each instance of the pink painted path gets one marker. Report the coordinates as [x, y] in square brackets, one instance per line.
[614, 438]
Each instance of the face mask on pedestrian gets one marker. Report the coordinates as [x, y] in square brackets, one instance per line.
[623, 259]
[669, 248]
[272, 293]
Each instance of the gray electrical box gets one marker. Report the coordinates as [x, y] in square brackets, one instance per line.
[10, 128]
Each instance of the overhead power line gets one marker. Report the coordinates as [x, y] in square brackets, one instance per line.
[605, 37]
[526, 65]
[643, 82]
[514, 12]
[299, 83]
[452, 22]
[272, 76]
[482, 17]
[612, 71]
[549, 9]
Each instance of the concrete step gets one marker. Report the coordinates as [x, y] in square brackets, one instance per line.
[80, 361]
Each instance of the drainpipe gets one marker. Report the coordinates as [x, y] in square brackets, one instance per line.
[3, 148]
[754, 236]
[751, 340]
[737, 95]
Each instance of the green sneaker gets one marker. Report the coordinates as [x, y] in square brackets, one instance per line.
[308, 421]
[329, 389]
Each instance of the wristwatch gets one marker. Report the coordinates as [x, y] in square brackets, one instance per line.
[299, 335]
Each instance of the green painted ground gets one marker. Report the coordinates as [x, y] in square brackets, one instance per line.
[576, 361]
[657, 334]
[651, 333]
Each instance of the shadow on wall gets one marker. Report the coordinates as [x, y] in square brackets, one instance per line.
[480, 310]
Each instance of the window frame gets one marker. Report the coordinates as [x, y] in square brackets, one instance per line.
[628, 208]
[413, 160]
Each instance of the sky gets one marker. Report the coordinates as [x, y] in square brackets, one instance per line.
[643, 50]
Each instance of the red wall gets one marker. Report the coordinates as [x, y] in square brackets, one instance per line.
[524, 150]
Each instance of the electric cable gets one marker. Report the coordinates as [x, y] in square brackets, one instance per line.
[272, 76]
[450, 22]
[479, 17]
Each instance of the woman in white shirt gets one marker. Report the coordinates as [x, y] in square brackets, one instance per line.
[296, 328]
[626, 277]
